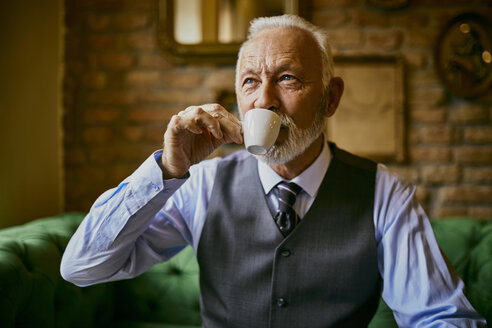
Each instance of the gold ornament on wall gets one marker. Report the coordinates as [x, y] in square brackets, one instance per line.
[463, 55]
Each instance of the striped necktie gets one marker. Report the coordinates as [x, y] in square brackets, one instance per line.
[286, 217]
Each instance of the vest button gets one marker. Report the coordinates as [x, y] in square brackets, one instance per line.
[281, 302]
[285, 253]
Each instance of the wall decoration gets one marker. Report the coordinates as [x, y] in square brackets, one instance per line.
[463, 55]
[211, 31]
[370, 118]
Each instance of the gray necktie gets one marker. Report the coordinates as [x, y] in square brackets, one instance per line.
[286, 217]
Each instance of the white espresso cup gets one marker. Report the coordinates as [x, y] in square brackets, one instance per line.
[260, 127]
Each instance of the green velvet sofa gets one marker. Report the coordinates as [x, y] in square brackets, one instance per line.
[33, 294]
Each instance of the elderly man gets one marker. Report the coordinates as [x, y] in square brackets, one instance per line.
[352, 228]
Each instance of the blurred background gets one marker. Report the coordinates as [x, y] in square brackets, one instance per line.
[87, 88]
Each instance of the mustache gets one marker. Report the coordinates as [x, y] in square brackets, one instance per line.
[285, 120]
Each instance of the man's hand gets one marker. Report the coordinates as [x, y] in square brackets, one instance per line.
[195, 133]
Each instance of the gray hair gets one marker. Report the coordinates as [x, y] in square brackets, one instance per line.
[288, 21]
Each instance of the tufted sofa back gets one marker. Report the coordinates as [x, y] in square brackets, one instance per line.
[33, 294]
[467, 243]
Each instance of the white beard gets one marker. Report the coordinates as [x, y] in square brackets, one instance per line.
[297, 141]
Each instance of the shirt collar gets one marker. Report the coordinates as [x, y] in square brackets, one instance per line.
[309, 179]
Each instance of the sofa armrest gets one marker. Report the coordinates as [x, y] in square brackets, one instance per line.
[32, 291]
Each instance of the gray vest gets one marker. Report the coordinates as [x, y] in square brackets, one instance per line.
[324, 274]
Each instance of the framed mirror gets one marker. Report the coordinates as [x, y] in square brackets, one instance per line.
[211, 31]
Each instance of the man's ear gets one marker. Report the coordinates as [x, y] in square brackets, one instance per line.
[335, 94]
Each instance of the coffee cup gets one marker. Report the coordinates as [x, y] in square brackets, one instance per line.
[261, 128]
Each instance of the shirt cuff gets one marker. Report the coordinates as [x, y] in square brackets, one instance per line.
[147, 183]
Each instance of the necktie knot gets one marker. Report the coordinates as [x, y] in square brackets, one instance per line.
[286, 217]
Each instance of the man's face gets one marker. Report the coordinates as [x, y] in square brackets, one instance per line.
[281, 70]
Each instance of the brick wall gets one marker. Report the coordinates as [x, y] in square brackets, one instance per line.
[120, 92]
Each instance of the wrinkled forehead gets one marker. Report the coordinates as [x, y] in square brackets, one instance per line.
[281, 44]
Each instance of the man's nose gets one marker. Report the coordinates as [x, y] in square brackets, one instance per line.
[267, 97]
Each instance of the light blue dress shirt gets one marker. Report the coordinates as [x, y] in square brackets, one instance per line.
[147, 220]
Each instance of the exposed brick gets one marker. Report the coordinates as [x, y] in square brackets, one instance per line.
[143, 78]
[422, 37]
[481, 212]
[423, 78]
[116, 61]
[74, 21]
[102, 155]
[473, 155]
[416, 59]
[120, 171]
[98, 22]
[413, 136]
[110, 5]
[485, 98]
[95, 80]
[469, 114]
[409, 19]
[167, 96]
[90, 173]
[98, 135]
[106, 42]
[142, 41]
[101, 115]
[330, 3]
[77, 188]
[154, 134]
[422, 195]
[330, 17]
[428, 96]
[438, 135]
[73, 46]
[116, 81]
[84, 204]
[478, 134]
[73, 67]
[370, 18]
[449, 211]
[439, 18]
[193, 79]
[222, 80]
[136, 154]
[151, 114]
[75, 156]
[430, 154]
[345, 37]
[441, 174]
[144, 5]
[409, 174]
[478, 174]
[466, 194]
[153, 61]
[112, 98]
[133, 133]
[383, 40]
[131, 21]
[436, 115]
[439, 2]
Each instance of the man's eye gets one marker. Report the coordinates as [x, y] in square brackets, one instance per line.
[249, 81]
[287, 77]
